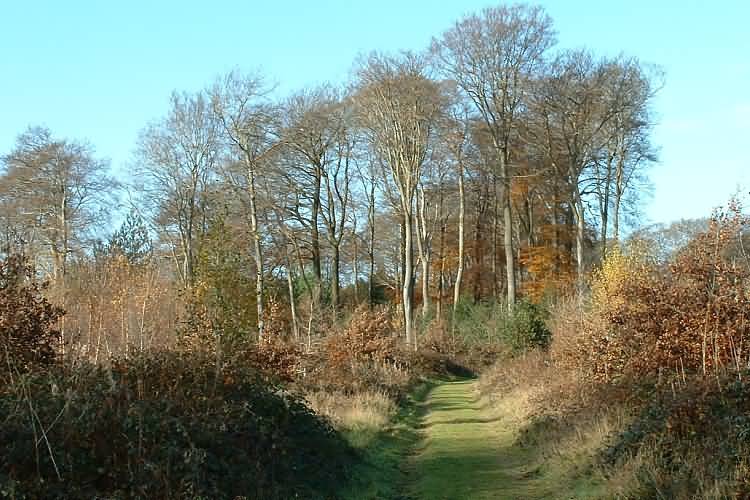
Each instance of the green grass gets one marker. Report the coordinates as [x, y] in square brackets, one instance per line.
[470, 452]
[447, 443]
[382, 474]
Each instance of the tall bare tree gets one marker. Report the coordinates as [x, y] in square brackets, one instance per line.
[176, 165]
[628, 149]
[492, 55]
[457, 138]
[249, 125]
[398, 106]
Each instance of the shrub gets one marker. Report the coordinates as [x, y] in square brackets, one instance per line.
[368, 338]
[525, 327]
[27, 318]
[690, 316]
[277, 358]
[164, 425]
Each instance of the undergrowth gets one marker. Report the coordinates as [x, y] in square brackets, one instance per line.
[163, 425]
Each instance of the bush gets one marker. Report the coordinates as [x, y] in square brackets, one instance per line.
[163, 425]
[525, 327]
[518, 330]
[27, 318]
[695, 439]
[369, 336]
[688, 316]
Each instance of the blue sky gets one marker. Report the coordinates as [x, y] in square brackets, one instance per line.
[100, 70]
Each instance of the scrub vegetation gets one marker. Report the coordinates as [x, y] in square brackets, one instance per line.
[428, 282]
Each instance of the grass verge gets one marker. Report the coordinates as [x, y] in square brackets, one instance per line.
[383, 473]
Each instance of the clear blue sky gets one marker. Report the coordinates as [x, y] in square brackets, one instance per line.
[100, 70]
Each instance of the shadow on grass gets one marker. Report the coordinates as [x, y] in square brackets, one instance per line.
[453, 421]
[383, 471]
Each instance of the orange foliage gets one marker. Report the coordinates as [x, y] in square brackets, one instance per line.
[550, 268]
[690, 317]
[370, 336]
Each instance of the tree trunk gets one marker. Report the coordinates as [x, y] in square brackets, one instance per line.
[604, 206]
[460, 266]
[619, 188]
[356, 265]
[424, 251]
[371, 246]
[335, 279]
[315, 236]
[402, 261]
[478, 264]
[495, 214]
[257, 251]
[441, 258]
[579, 221]
[407, 279]
[292, 300]
[510, 264]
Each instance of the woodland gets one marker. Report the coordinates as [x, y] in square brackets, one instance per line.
[270, 301]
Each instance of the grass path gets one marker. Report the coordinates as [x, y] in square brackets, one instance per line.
[469, 452]
[449, 444]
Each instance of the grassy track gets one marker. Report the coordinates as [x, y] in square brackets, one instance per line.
[448, 444]
[469, 452]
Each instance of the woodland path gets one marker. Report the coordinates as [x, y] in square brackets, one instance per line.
[468, 451]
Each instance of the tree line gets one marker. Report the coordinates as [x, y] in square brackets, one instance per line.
[492, 165]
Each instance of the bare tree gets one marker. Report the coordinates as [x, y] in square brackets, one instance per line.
[313, 122]
[249, 125]
[398, 106]
[176, 164]
[337, 201]
[55, 191]
[491, 56]
[575, 109]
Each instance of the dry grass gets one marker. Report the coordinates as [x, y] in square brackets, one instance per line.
[573, 426]
[367, 411]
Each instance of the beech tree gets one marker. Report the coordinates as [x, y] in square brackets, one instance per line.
[54, 191]
[398, 106]
[492, 56]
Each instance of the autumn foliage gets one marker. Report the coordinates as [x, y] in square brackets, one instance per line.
[28, 332]
[687, 316]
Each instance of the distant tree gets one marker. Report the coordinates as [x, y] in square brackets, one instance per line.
[492, 56]
[59, 189]
[665, 241]
[132, 239]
